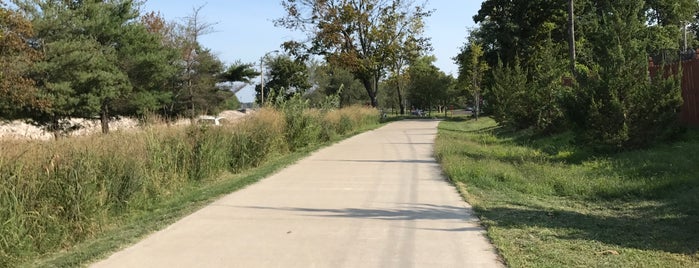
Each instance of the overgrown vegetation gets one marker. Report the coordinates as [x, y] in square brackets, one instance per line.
[548, 203]
[605, 93]
[58, 193]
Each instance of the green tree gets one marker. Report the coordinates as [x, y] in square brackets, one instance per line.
[546, 93]
[532, 97]
[620, 111]
[355, 34]
[510, 29]
[287, 77]
[400, 53]
[235, 78]
[17, 57]
[150, 66]
[329, 80]
[99, 60]
[200, 85]
[508, 95]
[202, 92]
[397, 84]
[80, 74]
[472, 69]
[240, 72]
[429, 87]
[670, 12]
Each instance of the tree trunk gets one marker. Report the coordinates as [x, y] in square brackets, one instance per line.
[104, 118]
[477, 104]
[370, 90]
[191, 100]
[400, 100]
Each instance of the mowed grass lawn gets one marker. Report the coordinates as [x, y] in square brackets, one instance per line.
[547, 203]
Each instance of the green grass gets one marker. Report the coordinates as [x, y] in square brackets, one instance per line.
[547, 203]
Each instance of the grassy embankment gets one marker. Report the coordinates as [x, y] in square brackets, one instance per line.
[64, 203]
[547, 203]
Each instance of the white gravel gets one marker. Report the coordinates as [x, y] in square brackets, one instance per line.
[20, 130]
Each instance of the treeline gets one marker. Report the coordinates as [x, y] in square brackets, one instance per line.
[419, 85]
[536, 74]
[373, 52]
[103, 59]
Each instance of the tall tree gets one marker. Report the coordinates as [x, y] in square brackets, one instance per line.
[241, 73]
[429, 87]
[17, 56]
[472, 69]
[355, 34]
[329, 80]
[403, 51]
[150, 66]
[508, 95]
[287, 77]
[80, 74]
[196, 87]
[615, 102]
[510, 29]
[97, 56]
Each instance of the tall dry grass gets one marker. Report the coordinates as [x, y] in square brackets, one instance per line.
[54, 194]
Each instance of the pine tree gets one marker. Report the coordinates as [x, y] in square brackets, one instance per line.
[508, 96]
[99, 61]
[624, 109]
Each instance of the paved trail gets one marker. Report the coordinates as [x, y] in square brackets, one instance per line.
[375, 200]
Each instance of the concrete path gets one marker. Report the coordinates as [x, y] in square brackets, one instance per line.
[375, 200]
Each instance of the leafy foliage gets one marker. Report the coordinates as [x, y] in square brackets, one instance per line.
[16, 60]
[616, 115]
[472, 69]
[546, 92]
[358, 35]
[287, 77]
[511, 29]
[330, 81]
[508, 96]
[429, 87]
[609, 94]
[97, 57]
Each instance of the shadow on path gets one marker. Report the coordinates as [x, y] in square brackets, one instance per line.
[410, 212]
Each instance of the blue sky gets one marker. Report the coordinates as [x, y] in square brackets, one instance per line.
[245, 31]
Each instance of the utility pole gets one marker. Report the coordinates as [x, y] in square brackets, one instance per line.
[571, 23]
